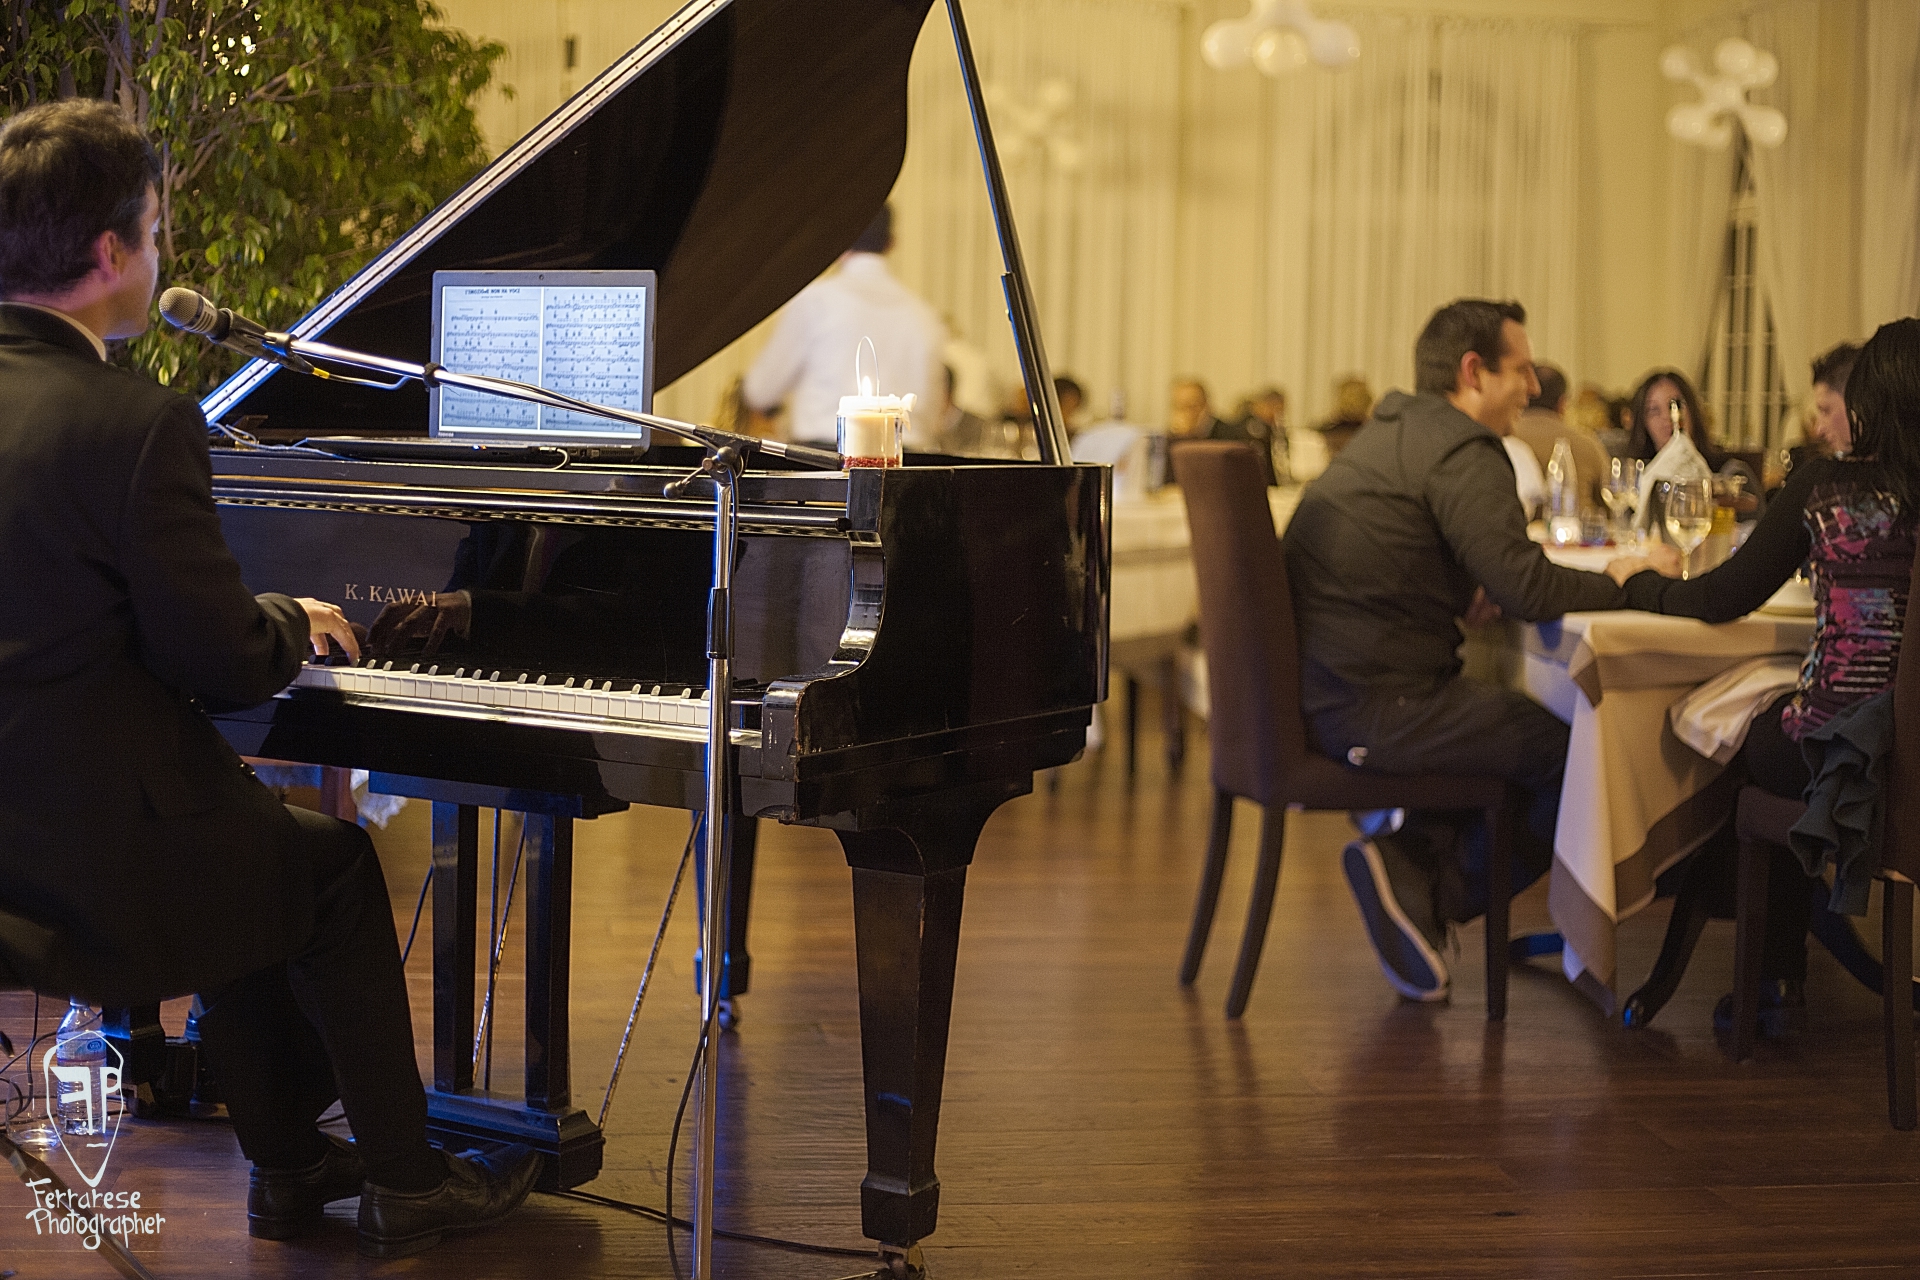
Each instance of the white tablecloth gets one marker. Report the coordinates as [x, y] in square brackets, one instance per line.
[1636, 799]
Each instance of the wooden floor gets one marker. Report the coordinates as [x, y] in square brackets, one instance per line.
[1101, 1122]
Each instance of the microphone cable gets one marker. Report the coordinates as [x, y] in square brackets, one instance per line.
[665, 1216]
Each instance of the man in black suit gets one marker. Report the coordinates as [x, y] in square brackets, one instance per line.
[139, 858]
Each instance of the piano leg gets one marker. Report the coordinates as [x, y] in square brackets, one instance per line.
[743, 837]
[456, 861]
[549, 961]
[736, 967]
[909, 882]
[547, 1121]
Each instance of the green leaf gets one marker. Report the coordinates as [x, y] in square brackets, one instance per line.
[353, 122]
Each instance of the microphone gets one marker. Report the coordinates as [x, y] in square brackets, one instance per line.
[195, 313]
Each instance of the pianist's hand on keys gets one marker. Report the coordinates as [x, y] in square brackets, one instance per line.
[325, 622]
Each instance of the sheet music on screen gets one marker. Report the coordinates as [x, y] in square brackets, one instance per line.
[584, 334]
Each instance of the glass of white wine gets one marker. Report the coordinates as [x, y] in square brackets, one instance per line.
[1621, 489]
[1689, 516]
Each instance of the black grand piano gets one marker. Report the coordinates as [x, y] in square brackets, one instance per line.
[911, 645]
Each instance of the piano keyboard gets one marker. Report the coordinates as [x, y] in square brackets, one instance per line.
[477, 692]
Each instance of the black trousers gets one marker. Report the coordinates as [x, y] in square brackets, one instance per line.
[1464, 726]
[330, 1024]
[1773, 762]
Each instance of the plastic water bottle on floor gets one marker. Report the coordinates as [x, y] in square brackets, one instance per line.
[80, 1051]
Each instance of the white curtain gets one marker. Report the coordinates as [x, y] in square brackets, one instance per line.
[1787, 186]
[1098, 235]
[1442, 165]
[1890, 166]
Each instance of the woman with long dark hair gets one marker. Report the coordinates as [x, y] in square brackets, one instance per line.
[1653, 412]
[1852, 521]
[1653, 420]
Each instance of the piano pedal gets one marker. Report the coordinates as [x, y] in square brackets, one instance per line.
[897, 1263]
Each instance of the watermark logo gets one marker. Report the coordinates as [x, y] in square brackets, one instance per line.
[92, 1217]
[83, 1073]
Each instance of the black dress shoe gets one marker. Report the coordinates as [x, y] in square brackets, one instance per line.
[284, 1203]
[480, 1189]
[1783, 1009]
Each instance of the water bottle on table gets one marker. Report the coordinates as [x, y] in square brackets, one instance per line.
[1563, 497]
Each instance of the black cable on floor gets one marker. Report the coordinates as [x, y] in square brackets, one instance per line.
[26, 1099]
[746, 1237]
[673, 1143]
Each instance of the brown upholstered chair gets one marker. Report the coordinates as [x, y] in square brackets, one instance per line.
[1255, 728]
[1763, 819]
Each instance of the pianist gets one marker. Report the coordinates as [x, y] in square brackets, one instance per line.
[139, 860]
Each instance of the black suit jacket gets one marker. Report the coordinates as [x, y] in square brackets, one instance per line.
[139, 859]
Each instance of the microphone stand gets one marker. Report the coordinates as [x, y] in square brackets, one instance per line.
[727, 454]
[281, 347]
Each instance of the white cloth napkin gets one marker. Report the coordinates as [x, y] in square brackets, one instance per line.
[1713, 719]
[1678, 459]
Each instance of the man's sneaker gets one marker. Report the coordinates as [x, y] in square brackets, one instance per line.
[1396, 906]
[1374, 823]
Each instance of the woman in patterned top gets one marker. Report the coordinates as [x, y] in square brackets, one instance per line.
[1851, 521]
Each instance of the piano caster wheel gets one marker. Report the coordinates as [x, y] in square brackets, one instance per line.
[901, 1264]
[729, 1013]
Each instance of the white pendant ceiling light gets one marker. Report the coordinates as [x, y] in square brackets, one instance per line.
[1723, 96]
[1037, 128]
[1279, 36]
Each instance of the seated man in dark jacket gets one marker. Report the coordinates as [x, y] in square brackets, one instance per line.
[139, 859]
[1413, 526]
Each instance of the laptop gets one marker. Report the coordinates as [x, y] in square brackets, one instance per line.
[585, 334]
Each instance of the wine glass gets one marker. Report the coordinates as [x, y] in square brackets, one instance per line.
[1621, 489]
[1689, 516]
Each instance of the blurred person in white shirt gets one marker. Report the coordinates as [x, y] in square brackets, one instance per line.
[809, 361]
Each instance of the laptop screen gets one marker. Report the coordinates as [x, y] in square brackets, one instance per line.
[586, 334]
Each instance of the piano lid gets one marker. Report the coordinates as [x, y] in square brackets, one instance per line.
[737, 151]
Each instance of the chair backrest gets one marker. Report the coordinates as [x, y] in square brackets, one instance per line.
[1254, 725]
[1900, 849]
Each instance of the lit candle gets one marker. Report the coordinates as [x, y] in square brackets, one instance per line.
[871, 427]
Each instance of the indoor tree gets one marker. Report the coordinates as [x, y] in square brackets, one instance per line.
[297, 137]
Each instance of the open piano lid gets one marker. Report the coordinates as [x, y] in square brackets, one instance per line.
[736, 151]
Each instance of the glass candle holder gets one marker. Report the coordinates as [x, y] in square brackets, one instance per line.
[871, 429]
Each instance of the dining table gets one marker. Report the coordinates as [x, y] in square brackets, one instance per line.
[1635, 799]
